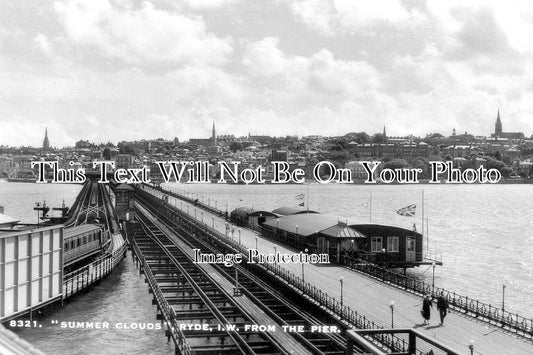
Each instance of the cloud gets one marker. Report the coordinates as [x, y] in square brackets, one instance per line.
[142, 35]
[208, 4]
[329, 17]
[320, 73]
[43, 43]
[121, 70]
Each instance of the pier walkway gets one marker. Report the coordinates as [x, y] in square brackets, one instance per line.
[372, 298]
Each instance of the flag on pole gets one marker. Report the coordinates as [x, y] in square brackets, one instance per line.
[408, 211]
[300, 196]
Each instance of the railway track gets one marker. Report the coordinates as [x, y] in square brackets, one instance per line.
[284, 306]
[198, 300]
[93, 205]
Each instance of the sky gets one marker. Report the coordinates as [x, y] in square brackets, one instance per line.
[113, 70]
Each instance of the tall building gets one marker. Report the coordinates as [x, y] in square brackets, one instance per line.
[498, 126]
[499, 133]
[46, 143]
[213, 136]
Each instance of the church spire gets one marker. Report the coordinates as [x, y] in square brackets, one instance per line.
[498, 126]
[46, 142]
[384, 132]
[213, 135]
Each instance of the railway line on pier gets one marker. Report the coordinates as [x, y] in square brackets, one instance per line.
[189, 293]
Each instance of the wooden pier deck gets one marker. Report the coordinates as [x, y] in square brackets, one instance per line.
[372, 298]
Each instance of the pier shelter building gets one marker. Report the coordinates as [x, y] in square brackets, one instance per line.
[389, 245]
[246, 216]
[315, 232]
[346, 242]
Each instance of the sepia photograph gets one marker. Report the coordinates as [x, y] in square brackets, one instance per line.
[220, 177]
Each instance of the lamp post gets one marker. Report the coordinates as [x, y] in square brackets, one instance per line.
[236, 290]
[503, 298]
[392, 313]
[303, 273]
[239, 236]
[256, 242]
[275, 255]
[471, 347]
[342, 284]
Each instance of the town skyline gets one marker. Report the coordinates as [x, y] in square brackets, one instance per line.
[186, 139]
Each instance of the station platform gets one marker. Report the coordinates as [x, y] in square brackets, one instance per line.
[372, 298]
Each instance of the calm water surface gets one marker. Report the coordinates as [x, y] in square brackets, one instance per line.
[484, 232]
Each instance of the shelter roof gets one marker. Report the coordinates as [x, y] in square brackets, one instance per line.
[372, 229]
[308, 224]
[286, 211]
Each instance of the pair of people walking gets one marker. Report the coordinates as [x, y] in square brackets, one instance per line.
[442, 306]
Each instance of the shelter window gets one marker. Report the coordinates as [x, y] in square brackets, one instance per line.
[376, 244]
[393, 244]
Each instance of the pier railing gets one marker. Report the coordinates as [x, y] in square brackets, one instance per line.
[512, 321]
[83, 277]
[484, 311]
[167, 311]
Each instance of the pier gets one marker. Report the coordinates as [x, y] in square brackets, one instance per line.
[249, 307]
[369, 299]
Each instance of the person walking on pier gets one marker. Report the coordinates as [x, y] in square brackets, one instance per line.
[426, 309]
[442, 306]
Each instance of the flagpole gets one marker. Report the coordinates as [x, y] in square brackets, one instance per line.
[427, 237]
[427, 242]
[370, 207]
[307, 204]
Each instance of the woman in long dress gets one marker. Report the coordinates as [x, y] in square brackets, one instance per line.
[427, 304]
